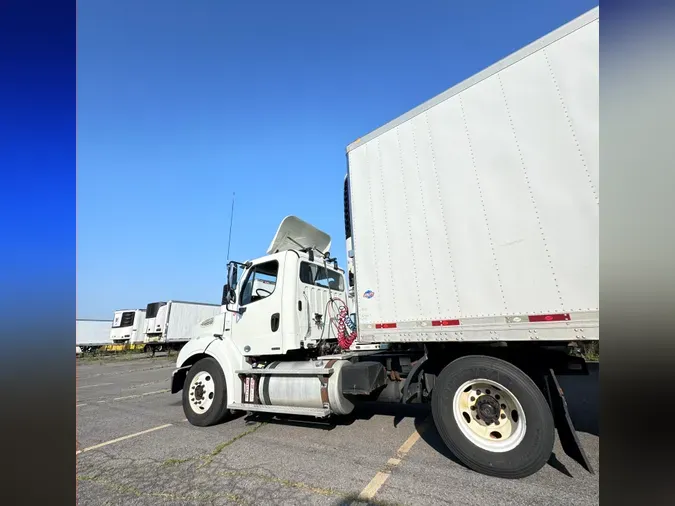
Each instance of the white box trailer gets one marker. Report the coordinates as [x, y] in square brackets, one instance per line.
[472, 237]
[476, 214]
[128, 326]
[172, 323]
[91, 334]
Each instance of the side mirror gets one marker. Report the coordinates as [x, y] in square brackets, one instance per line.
[232, 274]
[229, 295]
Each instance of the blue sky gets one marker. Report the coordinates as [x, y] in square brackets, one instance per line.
[181, 103]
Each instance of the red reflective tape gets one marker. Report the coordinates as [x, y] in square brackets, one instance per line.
[549, 317]
[444, 323]
[385, 325]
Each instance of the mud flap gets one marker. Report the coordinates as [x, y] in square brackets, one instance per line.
[178, 379]
[566, 431]
[408, 393]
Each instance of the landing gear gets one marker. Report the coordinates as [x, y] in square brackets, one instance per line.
[493, 417]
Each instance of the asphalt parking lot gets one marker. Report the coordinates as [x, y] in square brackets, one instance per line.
[136, 448]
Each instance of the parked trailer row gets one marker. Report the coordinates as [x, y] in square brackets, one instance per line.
[161, 326]
[472, 235]
[168, 325]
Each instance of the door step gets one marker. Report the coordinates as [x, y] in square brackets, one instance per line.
[281, 410]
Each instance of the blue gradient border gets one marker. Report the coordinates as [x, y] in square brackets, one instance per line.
[37, 253]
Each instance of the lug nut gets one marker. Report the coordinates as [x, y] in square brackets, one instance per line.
[478, 392]
[497, 396]
[503, 416]
[487, 392]
[473, 399]
[473, 408]
[503, 406]
[496, 422]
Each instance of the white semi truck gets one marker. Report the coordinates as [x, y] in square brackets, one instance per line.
[169, 325]
[91, 334]
[128, 326]
[472, 237]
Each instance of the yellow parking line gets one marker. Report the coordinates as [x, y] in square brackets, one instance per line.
[101, 445]
[382, 476]
[372, 488]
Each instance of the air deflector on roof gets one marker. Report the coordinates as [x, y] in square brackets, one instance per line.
[293, 233]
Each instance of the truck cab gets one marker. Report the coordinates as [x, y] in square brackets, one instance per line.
[280, 302]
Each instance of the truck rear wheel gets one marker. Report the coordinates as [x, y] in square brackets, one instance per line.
[205, 394]
[493, 417]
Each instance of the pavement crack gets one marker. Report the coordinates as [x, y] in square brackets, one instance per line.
[130, 489]
[284, 483]
[208, 458]
[227, 443]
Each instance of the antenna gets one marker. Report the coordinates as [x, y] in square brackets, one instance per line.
[229, 239]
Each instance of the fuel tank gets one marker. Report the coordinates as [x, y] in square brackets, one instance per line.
[304, 390]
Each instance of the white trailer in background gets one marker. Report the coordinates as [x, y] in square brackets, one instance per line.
[128, 326]
[472, 236]
[91, 334]
[170, 324]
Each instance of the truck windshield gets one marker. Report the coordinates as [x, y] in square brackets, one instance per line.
[318, 275]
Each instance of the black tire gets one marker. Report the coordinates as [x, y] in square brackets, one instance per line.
[218, 411]
[537, 445]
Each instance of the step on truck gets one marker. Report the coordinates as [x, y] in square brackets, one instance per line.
[169, 324]
[472, 243]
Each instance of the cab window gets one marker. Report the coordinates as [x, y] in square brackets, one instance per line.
[260, 282]
[318, 275]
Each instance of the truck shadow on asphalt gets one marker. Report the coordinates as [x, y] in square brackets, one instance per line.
[355, 500]
[581, 392]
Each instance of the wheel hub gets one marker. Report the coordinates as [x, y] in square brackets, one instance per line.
[488, 408]
[199, 392]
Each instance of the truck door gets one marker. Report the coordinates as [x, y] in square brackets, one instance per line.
[257, 330]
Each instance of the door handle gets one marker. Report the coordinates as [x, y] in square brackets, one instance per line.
[274, 322]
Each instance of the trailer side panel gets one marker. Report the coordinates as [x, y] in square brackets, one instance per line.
[484, 206]
[183, 317]
[92, 332]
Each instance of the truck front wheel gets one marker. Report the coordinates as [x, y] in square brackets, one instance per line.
[493, 417]
[205, 393]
